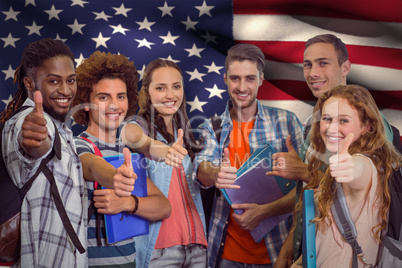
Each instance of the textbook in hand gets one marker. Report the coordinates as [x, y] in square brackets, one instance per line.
[122, 226]
[257, 187]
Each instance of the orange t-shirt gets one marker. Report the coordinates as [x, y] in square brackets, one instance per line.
[240, 245]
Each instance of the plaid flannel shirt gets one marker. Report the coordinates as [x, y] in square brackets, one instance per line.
[44, 241]
[272, 126]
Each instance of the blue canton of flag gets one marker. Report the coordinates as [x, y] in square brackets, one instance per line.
[194, 34]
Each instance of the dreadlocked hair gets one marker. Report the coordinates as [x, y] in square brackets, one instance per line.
[371, 143]
[34, 55]
[150, 116]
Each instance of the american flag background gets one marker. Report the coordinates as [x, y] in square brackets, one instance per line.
[196, 34]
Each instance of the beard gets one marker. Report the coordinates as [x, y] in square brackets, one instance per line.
[58, 116]
[50, 111]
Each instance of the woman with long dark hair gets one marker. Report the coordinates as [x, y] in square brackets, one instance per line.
[180, 240]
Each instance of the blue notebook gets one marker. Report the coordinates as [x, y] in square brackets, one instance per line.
[257, 187]
[121, 227]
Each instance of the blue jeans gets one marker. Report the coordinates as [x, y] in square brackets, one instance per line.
[232, 264]
[193, 255]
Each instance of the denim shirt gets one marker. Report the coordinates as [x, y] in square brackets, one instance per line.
[161, 174]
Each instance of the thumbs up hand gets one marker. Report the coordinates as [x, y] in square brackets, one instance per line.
[288, 164]
[127, 158]
[124, 179]
[227, 174]
[176, 153]
[38, 103]
[34, 130]
[341, 165]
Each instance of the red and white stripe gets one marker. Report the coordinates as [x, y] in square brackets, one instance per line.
[371, 29]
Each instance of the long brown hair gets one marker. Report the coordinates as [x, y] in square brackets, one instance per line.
[146, 109]
[372, 143]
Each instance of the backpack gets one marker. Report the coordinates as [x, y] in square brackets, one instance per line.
[390, 253]
[12, 198]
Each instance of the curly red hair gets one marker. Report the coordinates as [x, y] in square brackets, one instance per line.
[372, 143]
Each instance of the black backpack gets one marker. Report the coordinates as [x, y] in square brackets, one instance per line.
[12, 198]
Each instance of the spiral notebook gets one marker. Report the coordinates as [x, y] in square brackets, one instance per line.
[122, 226]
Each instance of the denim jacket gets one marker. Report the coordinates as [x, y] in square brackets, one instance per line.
[160, 174]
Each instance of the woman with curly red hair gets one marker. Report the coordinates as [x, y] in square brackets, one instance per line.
[348, 138]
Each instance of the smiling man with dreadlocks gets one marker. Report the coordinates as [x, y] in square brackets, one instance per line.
[46, 82]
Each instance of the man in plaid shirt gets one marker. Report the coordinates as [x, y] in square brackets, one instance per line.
[246, 126]
[47, 84]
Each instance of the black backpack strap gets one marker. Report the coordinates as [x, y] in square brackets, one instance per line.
[216, 126]
[208, 194]
[394, 250]
[20, 109]
[25, 188]
[62, 211]
[55, 192]
[396, 139]
[346, 226]
[56, 151]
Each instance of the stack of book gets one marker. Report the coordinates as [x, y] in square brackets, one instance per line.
[257, 187]
[122, 226]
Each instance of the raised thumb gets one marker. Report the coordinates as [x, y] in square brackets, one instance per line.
[344, 146]
[226, 158]
[289, 144]
[127, 158]
[180, 135]
[38, 108]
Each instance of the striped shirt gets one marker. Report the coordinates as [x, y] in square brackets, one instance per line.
[44, 241]
[119, 254]
[272, 126]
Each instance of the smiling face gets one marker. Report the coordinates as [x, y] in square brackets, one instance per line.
[166, 91]
[56, 80]
[338, 119]
[243, 80]
[109, 107]
[321, 68]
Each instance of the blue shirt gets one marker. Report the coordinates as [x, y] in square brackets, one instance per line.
[272, 126]
[161, 174]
